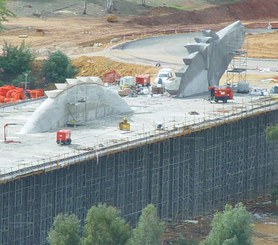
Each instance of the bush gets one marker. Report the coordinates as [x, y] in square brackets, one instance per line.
[20, 80]
[16, 60]
[274, 194]
[4, 13]
[183, 241]
[233, 226]
[65, 230]
[149, 229]
[57, 68]
[104, 226]
[272, 132]
[112, 19]
[2, 83]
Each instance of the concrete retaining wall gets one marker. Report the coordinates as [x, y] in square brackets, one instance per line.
[183, 176]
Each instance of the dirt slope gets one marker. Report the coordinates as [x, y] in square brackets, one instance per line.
[245, 10]
[83, 33]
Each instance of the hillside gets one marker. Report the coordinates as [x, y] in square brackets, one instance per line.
[60, 25]
[154, 13]
[246, 10]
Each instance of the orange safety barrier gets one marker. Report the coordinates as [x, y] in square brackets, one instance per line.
[9, 100]
[2, 99]
[4, 90]
[35, 93]
[18, 95]
[13, 91]
[9, 93]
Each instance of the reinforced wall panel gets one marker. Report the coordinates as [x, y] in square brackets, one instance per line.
[183, 176]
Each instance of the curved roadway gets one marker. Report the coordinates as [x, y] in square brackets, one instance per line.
[169, 51]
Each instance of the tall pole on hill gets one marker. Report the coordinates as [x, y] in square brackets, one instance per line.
[109, 6]
[85, 7]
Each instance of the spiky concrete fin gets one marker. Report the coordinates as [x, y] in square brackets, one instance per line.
[207, 60]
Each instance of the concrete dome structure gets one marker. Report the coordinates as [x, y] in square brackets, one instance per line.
[77, 101]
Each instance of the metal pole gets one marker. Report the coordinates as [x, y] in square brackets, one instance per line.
[25, 84]
[5, 141]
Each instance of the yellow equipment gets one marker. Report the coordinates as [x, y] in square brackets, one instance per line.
[124, 125]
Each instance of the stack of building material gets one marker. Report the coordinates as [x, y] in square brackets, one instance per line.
[157, 89]
[9, 93]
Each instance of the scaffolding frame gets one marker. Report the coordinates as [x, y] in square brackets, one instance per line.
[76, 105]
[237, 68]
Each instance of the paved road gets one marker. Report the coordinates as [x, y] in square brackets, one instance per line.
[169, 51]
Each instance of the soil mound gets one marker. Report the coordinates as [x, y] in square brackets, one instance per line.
[244, 11]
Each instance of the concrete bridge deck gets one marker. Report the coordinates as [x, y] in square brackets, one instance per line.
[37, 149]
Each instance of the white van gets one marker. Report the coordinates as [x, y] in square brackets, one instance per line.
[163, 75]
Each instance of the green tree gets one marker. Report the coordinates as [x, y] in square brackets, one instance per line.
[233, 226]
[182, 241]
[149, 229]
[104, 226]
[272, 132]
[27, 77]
[4, 12]
[274, 194]
[57, 68]
[16, 60]
[65, 230]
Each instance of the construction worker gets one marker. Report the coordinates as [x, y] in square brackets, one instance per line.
[212, 93]
[159, 81]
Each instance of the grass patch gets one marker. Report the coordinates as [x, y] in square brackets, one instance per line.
[176, 7]
[222, 2]
[179, 7]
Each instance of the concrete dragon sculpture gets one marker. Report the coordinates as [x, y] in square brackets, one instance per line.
[207, 60]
